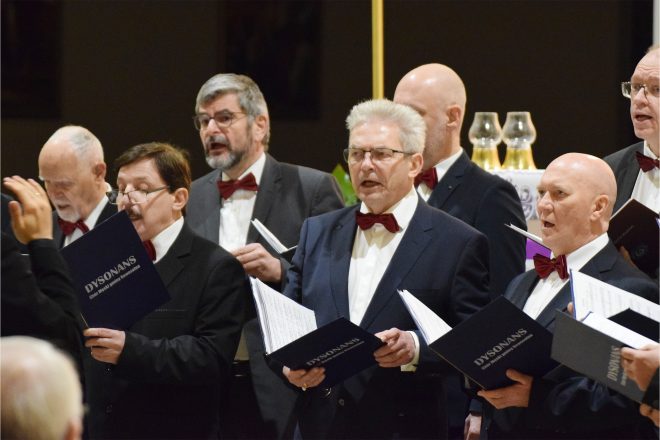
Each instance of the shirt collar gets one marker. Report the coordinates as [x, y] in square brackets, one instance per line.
[403, 210]
[93, 216]
[579, 257]
[257, 168]
[443, 166]
[165, 238]
[648, 152]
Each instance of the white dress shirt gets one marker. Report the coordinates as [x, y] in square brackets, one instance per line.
[90, 222]
[373, 249]
[236, 211]
[441, 169]
[647, 185]
[546, 289]
[165, 238]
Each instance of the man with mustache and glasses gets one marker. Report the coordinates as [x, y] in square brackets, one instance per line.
[248, 183]
[73, 171]
[163, 377]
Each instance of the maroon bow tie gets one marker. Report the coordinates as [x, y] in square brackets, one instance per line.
[646, 163]
[68, 227]
[366, 221]
[228, 187]
[544, 266]
[429, 177]
[151, 250]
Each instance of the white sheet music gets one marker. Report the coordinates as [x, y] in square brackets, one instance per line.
[270, 237]
[429, 324]
[529, 235]
[592, 295]
[282, 320]
[617, 331]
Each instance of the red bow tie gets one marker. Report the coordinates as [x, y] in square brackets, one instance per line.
[545, 266]
[366, 221]
[429, 177]
[68, 227]
[151, 250]
[646, 163]
[228, 187]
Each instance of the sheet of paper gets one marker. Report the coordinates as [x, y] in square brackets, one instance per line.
[592, 295]
[430, 325]
[282, 319]
[618, 332]
[270, 237]
[529, 235]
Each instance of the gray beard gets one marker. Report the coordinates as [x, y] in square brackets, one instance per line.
[224, 163]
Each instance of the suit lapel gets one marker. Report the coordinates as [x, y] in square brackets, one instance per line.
[412, 245]
[450, 181]
[521, 293]
[341, 248]
[629, 175]
[211, 208]
[172, 263]
[269, 187]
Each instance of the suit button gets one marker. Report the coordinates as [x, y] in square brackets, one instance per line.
[108, 368]
[341, 402]
[326, 392]
[108, 409]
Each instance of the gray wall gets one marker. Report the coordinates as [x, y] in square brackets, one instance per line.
[130, 71]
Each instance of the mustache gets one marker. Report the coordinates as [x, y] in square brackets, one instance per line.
[215, 139]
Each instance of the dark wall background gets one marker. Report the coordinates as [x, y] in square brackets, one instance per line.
[130, 70]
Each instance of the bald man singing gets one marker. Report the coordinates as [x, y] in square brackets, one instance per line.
[73, 171]
[576, 197]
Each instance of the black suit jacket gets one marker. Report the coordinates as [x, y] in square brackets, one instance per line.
[625, 167]
[486, 202]
[565, 404]
[38, 297]
[287, 195]
[168, 381]
[106, 213]
[440, 260]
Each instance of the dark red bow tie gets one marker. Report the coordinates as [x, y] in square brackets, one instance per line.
[545, 266]
[646, 163]
[68, 227]
[228, 187]
[366, 221]
[429, 177]
[151, 250]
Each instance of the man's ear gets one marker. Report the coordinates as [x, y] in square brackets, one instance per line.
[600, 205]
[180, 199]
[416, 164]
[454, 116]
[260, 128]
[100, 170]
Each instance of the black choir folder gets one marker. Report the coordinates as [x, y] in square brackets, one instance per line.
[116, 281]
[498, 337]
[635, 227]
[292, 339]
[592, 353]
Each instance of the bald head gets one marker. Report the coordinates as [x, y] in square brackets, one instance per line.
[72, 168]
[576, 195]
[437, 93]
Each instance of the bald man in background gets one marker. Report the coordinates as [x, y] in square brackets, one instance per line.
[72, 168]
[456, 185]
[576, 196]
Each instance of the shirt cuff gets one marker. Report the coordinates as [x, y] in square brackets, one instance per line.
[412, 366]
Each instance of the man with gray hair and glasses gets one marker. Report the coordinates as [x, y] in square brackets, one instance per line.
[351, 262]
[73, 171]
[247, 183]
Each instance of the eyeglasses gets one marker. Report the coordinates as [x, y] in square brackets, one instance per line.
[135, 196]
[354, 155]
[222, 119]
[629, 89]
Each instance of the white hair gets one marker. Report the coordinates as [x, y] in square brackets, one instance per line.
[41, 395]
[412, 129]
